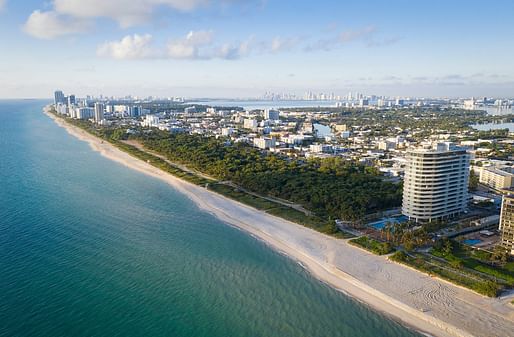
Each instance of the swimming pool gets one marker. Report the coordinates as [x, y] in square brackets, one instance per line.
[395, 220]
[471, 242]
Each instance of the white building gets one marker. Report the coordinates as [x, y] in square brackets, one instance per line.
[151, 121]
[320, 148]
[227, 132]
[99, 112]
[507, 223]
[271, 114]
[264, 143]
[61, 109]
[386, 145]
[436, 182]
[497, 178]
[470, 104]
[120, 108]
[250, 124]
[84, 113]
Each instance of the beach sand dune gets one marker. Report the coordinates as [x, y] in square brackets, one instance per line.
[428, 304]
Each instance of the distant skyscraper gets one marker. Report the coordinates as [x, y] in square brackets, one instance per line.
[71, 100]
[59, 97]
[507, 223]
[436, 183]
[84, 113]
[135, 111]
[99, 112]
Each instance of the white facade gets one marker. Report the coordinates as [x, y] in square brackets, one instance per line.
[507, 223]
[99, 112]
[61, 109]
[250, 124]
[497, 178]
[436, 183]
[227, 132]
[271, 114]
[151, 121]
[264, 143]
[84, 113]
[386, 145]
[320, 148]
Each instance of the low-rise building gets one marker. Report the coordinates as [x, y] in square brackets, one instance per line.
[250, 124]
[227, 132]
[386, 145]
[264, 143]
[497, 178]
[151, 121]
[320, 148]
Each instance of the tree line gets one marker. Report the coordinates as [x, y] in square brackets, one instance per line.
[331, 187]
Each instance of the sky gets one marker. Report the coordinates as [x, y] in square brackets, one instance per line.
[243, 48]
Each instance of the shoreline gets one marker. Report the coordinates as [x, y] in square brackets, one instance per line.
[425, 304]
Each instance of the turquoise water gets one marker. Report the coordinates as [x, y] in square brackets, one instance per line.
[395, 220]
[91, 248]
[472, 242]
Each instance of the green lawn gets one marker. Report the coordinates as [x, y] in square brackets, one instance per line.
[458, 276]
[468, 258]
[374, 246]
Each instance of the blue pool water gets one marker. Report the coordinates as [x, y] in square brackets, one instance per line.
[395, 220]
[472, 242]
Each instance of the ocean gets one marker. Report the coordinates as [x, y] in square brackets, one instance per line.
[89, 247]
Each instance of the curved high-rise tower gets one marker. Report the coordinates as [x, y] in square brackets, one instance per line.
[436, 182]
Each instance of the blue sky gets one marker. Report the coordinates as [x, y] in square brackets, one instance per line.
[241, 48]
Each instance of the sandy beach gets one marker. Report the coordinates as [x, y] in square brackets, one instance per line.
[427, 304]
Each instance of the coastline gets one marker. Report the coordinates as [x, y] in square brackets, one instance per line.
[427, 304]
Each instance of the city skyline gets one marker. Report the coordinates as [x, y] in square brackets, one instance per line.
[233, 49]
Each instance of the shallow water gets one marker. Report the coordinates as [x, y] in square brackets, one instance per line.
[89, 247]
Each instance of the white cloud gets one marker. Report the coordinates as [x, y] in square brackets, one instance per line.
[130, 47]
[48, 25]
[352, 35]
[227, 51]
[126, 12]
[189, 47]
[200, 45]
[343, 38]
[196, 45]
[279, 44]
